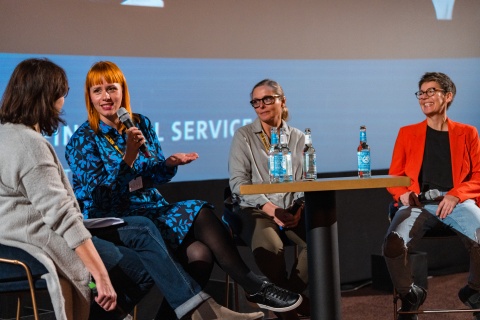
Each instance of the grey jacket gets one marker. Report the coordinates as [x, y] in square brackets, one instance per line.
[39, 214]
[248, 163]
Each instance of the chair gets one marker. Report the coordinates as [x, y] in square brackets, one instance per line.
[232, 221]
[20, 274]
[439, 231]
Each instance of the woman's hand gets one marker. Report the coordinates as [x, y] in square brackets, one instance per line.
[405, 198]
[446, 206]
[178, 159]
[285, 219]
[281, 216]
[135, 139]
[106, 298]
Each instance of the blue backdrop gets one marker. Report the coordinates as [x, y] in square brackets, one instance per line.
[197, 104]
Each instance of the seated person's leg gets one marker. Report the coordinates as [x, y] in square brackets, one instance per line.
[141, 235]
[197, 260]
[129, 278]
[262, 234]
[208, 229]
[181, 291]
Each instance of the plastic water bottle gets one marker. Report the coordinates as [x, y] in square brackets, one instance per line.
[274, 158]
[309, 158]
[363, 155]
[287, 169]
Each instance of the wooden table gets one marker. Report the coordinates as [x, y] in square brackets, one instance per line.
[322, 236]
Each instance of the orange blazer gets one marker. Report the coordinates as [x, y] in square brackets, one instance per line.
[465, 153]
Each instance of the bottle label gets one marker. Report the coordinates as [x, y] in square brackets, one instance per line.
[277, 166]
[364, 160]
[310, 163]
[309, 166]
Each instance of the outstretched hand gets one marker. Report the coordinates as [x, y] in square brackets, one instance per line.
[179, 159]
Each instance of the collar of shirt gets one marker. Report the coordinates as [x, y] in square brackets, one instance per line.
[257, 127]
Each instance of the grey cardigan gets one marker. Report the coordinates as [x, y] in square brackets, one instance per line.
[39, 214]
[248, 163]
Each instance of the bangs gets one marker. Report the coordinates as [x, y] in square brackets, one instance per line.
[104, 70]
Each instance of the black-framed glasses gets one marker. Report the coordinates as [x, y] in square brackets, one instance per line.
[66, 94]
[429, 92]
[266, 101]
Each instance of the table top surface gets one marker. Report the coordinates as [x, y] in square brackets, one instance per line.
[327, 184]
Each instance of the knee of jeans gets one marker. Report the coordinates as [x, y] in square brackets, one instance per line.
[394, 245]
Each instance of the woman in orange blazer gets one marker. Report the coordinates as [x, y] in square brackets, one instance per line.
[442, 159]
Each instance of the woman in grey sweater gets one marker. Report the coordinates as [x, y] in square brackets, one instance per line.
[38, 210]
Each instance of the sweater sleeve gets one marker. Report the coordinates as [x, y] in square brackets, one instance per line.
[41, 183]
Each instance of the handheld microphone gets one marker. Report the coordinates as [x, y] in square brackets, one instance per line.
[429, 195]
[295, 206]
[124, 117]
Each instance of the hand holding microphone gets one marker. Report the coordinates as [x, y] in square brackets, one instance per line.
[430, 195]
[124, 117]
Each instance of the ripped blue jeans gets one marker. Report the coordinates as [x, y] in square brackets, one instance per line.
[410, 224]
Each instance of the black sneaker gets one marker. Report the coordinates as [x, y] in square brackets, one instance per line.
[411, 302]
[273, 298]
[470, 298]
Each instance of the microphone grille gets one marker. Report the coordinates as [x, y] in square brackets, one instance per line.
[122, 113]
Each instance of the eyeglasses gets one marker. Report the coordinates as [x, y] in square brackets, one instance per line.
[266, 101]
[429, 92]
[66, 94]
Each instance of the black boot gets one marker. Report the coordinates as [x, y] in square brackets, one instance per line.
[411, 302]
[471, 298]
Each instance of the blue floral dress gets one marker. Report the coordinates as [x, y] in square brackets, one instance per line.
[101, 180]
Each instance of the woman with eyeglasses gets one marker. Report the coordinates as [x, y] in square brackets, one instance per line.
[442, 159]
[113, 177]
[265, 220]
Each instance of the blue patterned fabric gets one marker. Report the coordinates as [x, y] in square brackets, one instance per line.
[101, 180]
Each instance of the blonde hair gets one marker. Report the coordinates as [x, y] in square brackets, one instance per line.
[277, 89]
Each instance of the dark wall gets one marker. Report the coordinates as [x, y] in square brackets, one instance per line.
[362, 223]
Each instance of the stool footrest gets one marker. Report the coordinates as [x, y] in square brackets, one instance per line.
[438, 311]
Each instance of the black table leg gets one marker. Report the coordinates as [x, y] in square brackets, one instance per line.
[323, 257]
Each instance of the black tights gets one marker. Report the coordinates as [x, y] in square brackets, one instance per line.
[206, 242]
[209, 233]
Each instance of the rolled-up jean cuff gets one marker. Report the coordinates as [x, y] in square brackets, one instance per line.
[191, 304]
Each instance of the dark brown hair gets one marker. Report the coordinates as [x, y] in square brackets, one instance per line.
[29, 98]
